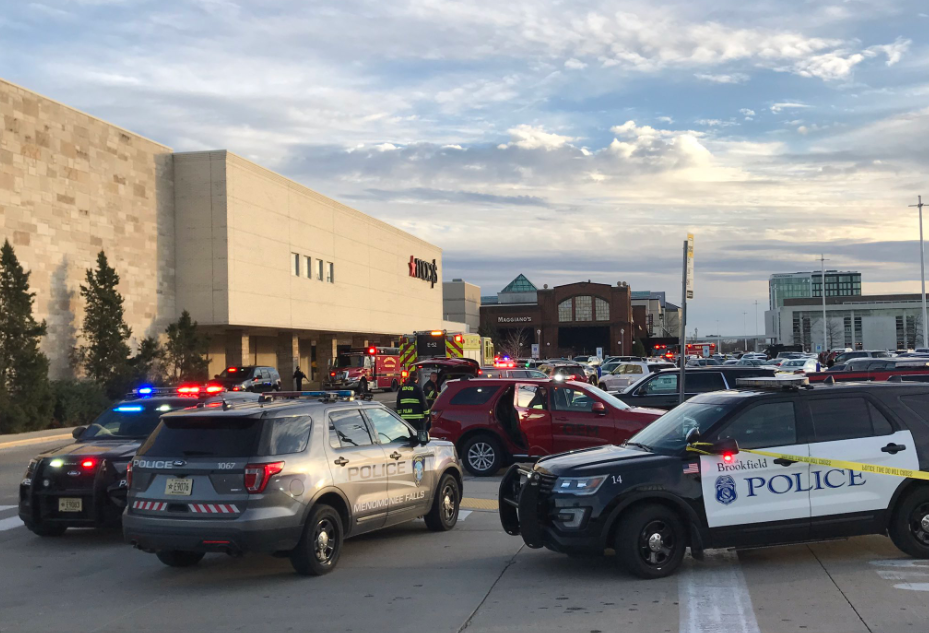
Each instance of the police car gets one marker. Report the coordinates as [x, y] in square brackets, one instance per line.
[292, 475]
[775, 462]
[84, 484]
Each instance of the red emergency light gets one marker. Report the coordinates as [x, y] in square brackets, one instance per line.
[214, 388]
[89, 464]
[459, 338]
[372, 351]
[437, 332]
[189, 389]
[232, 370]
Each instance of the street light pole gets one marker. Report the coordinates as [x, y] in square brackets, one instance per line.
[822, 286]
[922, 271]
[745, 340]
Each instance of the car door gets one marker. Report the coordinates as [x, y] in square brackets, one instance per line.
[575, 424]
[531, 402]
[852, 428]
[357, 464]
[748, 494]
[410, 469]
[659, 392]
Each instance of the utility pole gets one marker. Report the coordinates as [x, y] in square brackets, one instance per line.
[719, 339]
[922, 271]
[756, 318]
[822, 263]
[744, 332]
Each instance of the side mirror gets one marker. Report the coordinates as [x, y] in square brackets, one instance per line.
[422, 436]
[725, 447]
[78, 432]
[599, 408]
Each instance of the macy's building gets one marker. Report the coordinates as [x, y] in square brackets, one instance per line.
[275, 272]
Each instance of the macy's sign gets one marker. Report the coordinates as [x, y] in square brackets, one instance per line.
[427, 271]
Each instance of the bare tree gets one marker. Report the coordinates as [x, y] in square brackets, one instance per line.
[835, 333]
[515, 343]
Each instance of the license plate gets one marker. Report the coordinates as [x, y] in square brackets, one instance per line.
[179, 487]
[70, 504]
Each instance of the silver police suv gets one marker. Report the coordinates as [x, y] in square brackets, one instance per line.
[292, 475]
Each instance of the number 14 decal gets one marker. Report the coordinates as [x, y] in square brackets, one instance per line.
[617, 479]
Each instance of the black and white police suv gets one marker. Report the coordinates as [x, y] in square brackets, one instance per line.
[690, 480]
[84, 484]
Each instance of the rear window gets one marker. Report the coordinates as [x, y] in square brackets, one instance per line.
[236, 372]
[192, 436]
[283, 436]
[473, 396]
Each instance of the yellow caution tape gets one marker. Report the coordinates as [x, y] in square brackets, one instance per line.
[834, 463]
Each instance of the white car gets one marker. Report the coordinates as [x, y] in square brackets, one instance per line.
[627, 373]
[799, 365]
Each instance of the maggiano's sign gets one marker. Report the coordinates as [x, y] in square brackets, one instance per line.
[514, 319]
[427, 271]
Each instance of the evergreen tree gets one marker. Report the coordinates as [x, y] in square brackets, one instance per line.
[638, 348]
[105, 353]
[148, 364]
[25, 393]
[186, 350]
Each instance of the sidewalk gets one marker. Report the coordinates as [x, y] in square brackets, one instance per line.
[13, 440]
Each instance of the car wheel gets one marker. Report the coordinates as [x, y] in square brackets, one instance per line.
[46, 529]
[482, 455]
[909, 525]
[321, 545]
[650, 541]
[394, 385]
[444, 512]
[177, 558]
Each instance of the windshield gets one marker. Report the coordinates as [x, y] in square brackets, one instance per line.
[794, 363]
[351, 360]
[242, 373]
[613, 401]
[132, 420]
[668, 433]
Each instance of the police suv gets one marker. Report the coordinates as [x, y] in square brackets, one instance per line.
[717, 472]
[84, 484]
[292, 475]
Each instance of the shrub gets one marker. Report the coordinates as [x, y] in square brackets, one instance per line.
[77, 402]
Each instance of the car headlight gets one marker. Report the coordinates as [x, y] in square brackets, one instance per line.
[579, 485]
[31, 467]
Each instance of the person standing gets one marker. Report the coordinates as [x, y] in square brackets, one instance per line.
[431, 391]
[299, 377]
[411, 403]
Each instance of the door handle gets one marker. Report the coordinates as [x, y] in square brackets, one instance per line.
[395, 455]
[893, 449]
[341, 461]
[780, 461]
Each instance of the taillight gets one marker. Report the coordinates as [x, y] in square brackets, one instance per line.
[129, 475]
[258, 475]
[88, 464]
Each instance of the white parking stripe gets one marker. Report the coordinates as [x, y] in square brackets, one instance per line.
[2, 508]
[913, 586]
[902, 575]
[9, 524]
[714, 596]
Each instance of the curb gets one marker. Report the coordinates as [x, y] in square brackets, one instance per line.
[36, 440]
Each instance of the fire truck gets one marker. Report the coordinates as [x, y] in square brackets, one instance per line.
[365, 369]
[434, 344]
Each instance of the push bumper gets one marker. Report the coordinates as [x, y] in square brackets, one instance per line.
[231, 536]
[526, 511]
[101, 504]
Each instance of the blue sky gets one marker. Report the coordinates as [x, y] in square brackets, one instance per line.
[562, 140]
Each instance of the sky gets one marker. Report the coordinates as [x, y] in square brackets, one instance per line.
[565, 140]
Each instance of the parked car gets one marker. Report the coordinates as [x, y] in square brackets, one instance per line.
[844, 357]
[588, 360]
[492, 421]
[750, 362]
[799, 366]
[257, 378]
[660, 390]
[627, 373]
[518, 372]
[702, 362]
[564, 370]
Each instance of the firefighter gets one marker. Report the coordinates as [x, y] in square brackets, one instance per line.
[431, 391]
[411, 404]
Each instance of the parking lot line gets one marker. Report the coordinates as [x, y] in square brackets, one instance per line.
[714, 596]
[10, 523]
[479, 504]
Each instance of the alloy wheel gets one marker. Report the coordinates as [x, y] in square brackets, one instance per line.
[481, 456]
[919, 523]
[324, 539]
[449, 501]
[656, 543]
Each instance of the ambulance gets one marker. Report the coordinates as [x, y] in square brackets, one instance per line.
[434, 344]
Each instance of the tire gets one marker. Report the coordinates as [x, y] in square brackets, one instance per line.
[482, 455]
[394, 385]
[313, 555]
[909, 525]
[443, 515]
[51, 530]
[177, 558]
[636, 550]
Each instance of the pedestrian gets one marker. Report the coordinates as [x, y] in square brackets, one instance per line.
[411, 403]
[431, 391]
[299, 377]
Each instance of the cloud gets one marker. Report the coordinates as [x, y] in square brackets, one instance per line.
[665, 119]
[529, 137]
[893, 51]
[748, 113]
[574, 64]
[734, 78]
[715, 122]
[784, 105]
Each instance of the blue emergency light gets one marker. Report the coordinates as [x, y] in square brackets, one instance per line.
[128, 409]
[144, 391]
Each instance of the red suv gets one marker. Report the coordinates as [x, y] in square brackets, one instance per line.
[493, 420]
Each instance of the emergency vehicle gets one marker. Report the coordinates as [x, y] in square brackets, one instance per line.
[365, 369]
[443, 344]
[777, 461]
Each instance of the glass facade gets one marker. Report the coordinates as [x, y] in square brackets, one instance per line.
[806, 285]
[565, 310]
[603, 310]
[583, 308]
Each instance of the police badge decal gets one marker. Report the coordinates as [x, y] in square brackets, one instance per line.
[725, 490]
[419, 469]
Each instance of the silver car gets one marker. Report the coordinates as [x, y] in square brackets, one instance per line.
[289, 475]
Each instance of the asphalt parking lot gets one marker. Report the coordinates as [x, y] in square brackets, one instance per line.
[474, 578]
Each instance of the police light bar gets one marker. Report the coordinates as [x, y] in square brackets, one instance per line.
[437, 332]
[773, 383]
[146, 391]
[343, 394]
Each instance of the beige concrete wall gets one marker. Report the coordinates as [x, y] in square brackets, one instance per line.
[70, 186]
[267, 218]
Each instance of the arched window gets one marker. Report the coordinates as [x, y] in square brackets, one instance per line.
[564, 311]
[583, 308]
[603, 310]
